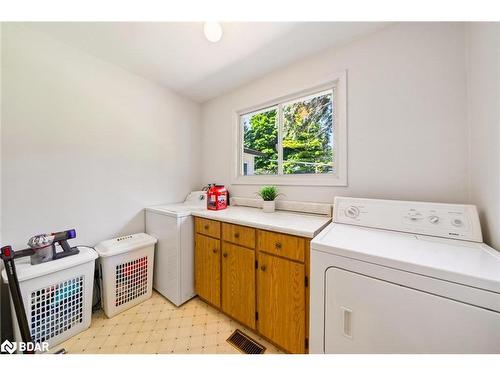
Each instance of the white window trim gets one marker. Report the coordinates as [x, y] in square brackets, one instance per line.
[337, 81]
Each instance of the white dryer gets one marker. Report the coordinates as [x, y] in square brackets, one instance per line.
[172, 225]
[403, 277]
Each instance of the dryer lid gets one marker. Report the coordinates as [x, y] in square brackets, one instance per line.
[464, 262]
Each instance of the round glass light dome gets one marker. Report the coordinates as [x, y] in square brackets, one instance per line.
[213, 31]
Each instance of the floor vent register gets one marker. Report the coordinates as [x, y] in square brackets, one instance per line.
[245, 344]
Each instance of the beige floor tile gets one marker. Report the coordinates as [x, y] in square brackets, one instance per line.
[181, 345]
[226, 349]
[128, 338]
[155, 337]
[212, 327]
[199, 319]
[91, 332]
[210, 340]
[147, 326]
[157, 326]
[185, 331]
[160, 325]
[119, 329]
[186, 321]
[174, 323]
[147, 348]
[196, 341]
[104, 330]
[164, 314]
[121, 349]
[166, 347]
[136, 348]
[96, 342]
[104, 350]
[152, 316]
[142, 337]
[170, 333]
[113, 340]
[81, 343]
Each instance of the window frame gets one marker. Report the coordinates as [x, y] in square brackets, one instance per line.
[337, 83]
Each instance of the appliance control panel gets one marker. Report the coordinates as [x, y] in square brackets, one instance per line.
[197, 198]
[457, 221]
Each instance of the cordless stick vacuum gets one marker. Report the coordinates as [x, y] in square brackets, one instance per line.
[42, 248]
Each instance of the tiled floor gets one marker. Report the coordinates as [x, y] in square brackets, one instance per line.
[157, 326]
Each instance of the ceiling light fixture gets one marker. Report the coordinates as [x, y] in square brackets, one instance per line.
[213, 31]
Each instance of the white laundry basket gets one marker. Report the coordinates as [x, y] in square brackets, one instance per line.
[127, 271]
[57, 296]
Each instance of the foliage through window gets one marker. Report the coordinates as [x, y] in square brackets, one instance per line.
[290, 138]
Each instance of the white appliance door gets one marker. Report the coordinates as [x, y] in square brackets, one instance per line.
[166, 266]
[368, 315]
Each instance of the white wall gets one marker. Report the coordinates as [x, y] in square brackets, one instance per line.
[406, 115]
[483, 57]
[85, 144]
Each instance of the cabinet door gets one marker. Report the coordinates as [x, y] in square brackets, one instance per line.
[207, 268]
[281, 302]
[238, 283]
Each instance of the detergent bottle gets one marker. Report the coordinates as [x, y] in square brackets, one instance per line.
[217, 197]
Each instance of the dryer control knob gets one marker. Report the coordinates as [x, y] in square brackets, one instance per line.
[434, 219]
[352, 212]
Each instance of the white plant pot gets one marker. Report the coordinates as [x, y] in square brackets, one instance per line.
[269, 206]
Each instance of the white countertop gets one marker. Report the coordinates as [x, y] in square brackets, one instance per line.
[298, 224]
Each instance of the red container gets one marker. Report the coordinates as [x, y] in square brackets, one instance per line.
[217, 198]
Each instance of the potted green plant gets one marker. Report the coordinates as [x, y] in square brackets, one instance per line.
[268, 194]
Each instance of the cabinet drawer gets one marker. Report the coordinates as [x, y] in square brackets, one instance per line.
[207, 227]
[239, 235]
[284, 245]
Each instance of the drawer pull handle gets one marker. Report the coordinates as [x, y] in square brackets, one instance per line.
[236, 235]
[224, 255]
[263, 268]
[278, 245]
[214, 251]
[206, 227]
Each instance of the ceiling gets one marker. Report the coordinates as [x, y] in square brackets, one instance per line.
[177, 55]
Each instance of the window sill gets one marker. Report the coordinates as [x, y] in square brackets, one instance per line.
[291, 180]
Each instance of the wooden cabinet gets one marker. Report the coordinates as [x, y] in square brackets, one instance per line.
[207, 268]
[258, 277]
[281, 302]
[238, 283]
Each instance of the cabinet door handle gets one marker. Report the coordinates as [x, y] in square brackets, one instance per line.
[214, 251]
[206, 227]
[346, 322]
[224, 255]
[236, 235]
[278, 245]
[263, 268]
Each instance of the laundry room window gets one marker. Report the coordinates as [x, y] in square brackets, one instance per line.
[299, 139]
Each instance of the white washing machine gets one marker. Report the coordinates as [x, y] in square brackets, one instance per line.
[172, 225]
[403, 277]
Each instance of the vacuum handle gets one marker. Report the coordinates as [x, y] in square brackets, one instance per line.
[64, 235]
